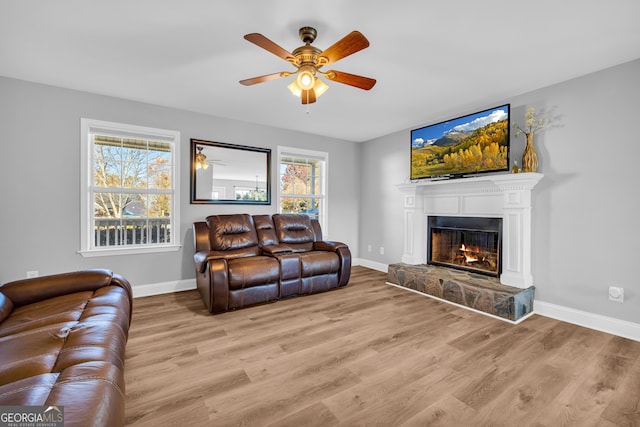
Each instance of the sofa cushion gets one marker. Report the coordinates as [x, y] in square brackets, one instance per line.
[317, 263]
[28, 291]
[266, 230]
[80, 327]
[256, 271]
[232, 232]
[32, 390]
[295, 231]
[58, 310]
[249, 296]
[31, 352]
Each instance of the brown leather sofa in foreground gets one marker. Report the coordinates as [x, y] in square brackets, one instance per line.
[243, 260]
[62, 343]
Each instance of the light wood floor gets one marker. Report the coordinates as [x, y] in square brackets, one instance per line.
[374, 355]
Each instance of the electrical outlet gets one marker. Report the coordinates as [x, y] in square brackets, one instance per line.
[381, 250]
[31, 274]
[616, 293]
[369, 248]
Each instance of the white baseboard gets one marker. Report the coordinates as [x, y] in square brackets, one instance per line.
[164, 288]
[598, 322]
[370, 264]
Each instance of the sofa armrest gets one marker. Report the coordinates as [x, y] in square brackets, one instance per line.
[343, 253]
[213, 282]
[328, 246]
[201, 236]
[201, 259]
[118, 280]
[276, 249]
[28, 291]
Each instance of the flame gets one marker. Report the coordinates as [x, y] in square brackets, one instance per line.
[467, 256]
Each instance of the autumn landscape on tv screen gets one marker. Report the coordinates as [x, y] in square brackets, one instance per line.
[470, 144]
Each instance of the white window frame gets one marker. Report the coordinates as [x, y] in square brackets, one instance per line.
[312, 155]
[91, 126]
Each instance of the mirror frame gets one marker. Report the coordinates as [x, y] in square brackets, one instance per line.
[240, 148]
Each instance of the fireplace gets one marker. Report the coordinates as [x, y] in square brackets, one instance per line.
[465, 243]
[504, 196]
[491, 215]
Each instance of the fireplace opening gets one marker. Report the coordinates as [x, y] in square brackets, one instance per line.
[465, 243]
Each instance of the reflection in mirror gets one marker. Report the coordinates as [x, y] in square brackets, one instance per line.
[227, 173]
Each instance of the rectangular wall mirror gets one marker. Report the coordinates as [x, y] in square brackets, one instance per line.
[230, 174]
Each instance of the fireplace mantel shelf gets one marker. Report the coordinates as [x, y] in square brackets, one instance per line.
[507, 196]
[526, 180]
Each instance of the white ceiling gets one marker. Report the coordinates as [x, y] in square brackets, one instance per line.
[431, 59]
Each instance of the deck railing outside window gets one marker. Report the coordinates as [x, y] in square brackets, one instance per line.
[118, 232]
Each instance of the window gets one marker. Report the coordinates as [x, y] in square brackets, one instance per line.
[303, 183]
[129, 189]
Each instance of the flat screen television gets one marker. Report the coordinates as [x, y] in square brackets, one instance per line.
[468, 145]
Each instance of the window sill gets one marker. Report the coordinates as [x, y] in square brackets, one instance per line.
[128, 251]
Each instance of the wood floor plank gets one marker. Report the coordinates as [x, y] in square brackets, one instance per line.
[386, 391]
[267, 401]
[316, 415]
[626, 410]
[447, 411]
[533, 391]
[371, 354]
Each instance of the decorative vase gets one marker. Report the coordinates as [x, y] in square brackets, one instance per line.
[515, 168]
[529, 157]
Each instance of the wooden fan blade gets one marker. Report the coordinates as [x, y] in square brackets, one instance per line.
[351, 79]
[349, 44]
[308, 96]
[266, 44]
[261, 79]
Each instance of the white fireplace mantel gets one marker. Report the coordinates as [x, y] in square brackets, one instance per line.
[506, 196]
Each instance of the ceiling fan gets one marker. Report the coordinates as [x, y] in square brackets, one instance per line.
[309, 60]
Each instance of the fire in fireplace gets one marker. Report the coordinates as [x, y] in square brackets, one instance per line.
[465, 243]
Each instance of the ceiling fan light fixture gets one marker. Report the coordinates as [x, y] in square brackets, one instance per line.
[319, 87]
[295, 89]
[306, 79]
[201, 160]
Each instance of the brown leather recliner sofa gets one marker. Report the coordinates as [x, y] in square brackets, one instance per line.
[243, 260]
[62, 343]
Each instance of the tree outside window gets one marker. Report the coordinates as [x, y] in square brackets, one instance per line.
[302, 188]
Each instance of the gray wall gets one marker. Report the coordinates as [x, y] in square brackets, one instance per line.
[586, 208]
[40, 179]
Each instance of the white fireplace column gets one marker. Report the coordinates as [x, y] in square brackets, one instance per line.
[506, 196]
[414, 226]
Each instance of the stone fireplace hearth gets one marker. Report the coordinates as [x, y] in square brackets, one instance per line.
[504, 196]
[471, 290]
